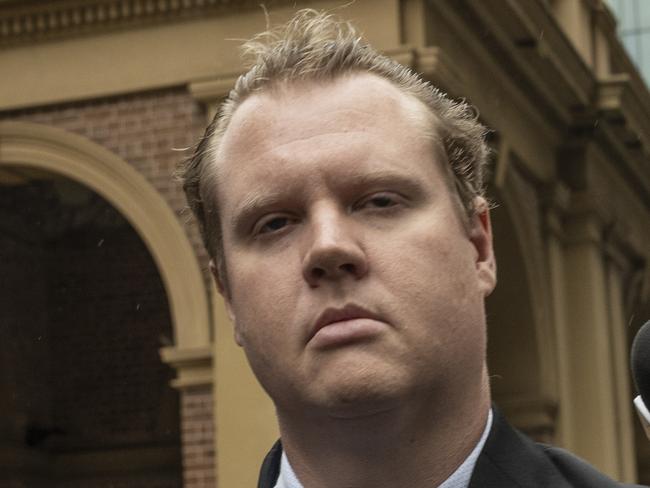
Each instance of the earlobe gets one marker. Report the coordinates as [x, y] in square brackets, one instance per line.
[481, 237]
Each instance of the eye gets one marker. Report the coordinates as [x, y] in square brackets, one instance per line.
[382, 201]
[379, 201]
[273, 224]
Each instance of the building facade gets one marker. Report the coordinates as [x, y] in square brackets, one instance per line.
[118, 366]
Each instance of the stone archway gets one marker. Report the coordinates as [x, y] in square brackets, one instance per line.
[29, 145]
[58, 151]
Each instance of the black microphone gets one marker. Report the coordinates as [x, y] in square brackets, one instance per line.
[641, 374]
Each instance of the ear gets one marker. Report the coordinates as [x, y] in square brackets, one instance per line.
[217, 273]
[480, 234]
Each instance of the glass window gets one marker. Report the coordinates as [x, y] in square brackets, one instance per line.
[633, 18]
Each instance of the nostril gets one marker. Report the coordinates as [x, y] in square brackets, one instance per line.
[318, 272]
[348, 268]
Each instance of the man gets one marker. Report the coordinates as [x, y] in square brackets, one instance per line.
[341, 200]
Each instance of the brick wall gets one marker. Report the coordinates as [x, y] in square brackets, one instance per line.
[24, 354]
[109, 313]
[198, 440]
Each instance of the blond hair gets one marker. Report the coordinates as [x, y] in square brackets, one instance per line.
[313, 45]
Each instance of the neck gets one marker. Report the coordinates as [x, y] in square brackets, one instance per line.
[417, 444]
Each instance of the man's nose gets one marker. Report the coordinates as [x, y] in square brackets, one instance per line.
[334, 252]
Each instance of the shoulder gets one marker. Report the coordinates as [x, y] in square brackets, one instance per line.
[510, 459]
[578, 471]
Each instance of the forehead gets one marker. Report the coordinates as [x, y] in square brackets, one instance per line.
[289, 112]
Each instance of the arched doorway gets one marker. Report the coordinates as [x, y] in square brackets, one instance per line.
[154, 227]
[29, 145]
[87, 401]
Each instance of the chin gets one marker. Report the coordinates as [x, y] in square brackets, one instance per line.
[356, 407]
[350, 396]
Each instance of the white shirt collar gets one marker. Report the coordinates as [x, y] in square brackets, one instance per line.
[461, 477]
[458, 479]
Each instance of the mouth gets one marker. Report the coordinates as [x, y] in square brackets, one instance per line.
[339, 316]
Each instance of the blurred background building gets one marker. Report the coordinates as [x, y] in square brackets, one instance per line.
[117, 364]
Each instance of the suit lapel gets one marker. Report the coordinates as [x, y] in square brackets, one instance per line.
[510, 460]
[270, 469]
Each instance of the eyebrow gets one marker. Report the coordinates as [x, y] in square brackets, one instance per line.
[399, 179]
[409, 184]
[251, 204]
[256, 200]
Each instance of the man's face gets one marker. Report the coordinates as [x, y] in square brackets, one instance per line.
[353, 283]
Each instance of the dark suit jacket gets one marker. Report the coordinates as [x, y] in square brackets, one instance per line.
[508, 460]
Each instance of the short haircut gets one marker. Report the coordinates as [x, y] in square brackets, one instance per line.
[314, 46]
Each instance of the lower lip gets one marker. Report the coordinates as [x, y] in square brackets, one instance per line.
[346, 331]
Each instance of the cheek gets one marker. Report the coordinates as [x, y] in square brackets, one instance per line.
[431, 261]
[434, 300]
[263, 300]
[433, 281]
[262, 297]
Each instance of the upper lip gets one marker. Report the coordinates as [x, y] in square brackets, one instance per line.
[349, 312]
